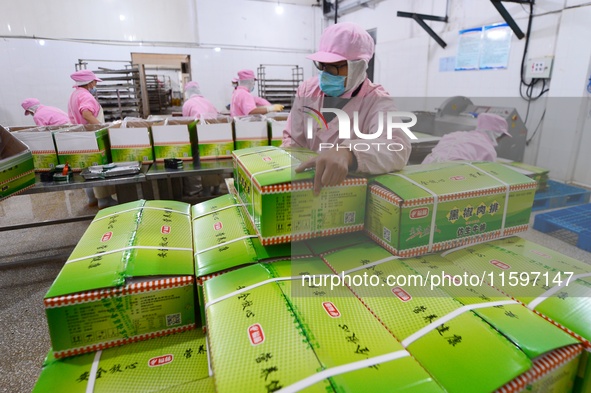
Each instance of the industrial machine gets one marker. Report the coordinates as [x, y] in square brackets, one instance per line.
[459, 114]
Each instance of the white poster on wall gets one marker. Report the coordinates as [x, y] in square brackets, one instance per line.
[468, 55]
[496, 45]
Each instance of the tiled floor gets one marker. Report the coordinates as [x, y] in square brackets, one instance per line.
[24, 340]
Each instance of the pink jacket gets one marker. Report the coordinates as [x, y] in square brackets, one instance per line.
[371, 99]
[81, 100]
[50, 116]
[197, 106]
[463, 145]
[242, 102]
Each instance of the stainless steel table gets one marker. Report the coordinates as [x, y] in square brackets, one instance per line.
[158, 175]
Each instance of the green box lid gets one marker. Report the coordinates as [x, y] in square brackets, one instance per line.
[128, 242]
[270, 165]
[450, 178]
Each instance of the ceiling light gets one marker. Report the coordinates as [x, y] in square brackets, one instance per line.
[279, 9]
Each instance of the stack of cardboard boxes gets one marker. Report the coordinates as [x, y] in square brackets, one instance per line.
[294, 295]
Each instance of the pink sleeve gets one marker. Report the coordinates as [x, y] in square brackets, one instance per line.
[261, 101]
[244, 103]
[88, 102]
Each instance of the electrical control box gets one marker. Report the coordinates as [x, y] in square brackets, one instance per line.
[539, 67]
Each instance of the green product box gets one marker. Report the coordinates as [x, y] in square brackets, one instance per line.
[583, 379]
[130, 278]
[277, 123]
[256, 343]
[224, 238]
[542, 342]
[281, 202]
[434, 207]
[451, 343]
[173, 141]
[82, 146]
[215, 138]
[163, 364]
[16, 165]
[533, 172]
[553, 285]
[250, 131]
[131, 143]
[342, 332]
[41, 142]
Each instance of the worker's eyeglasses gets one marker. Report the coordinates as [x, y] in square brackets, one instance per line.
[330, 68]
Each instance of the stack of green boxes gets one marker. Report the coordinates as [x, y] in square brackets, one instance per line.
[533, 172]
[129, 278]
[435, 207]
[16, 165]
[281, 202]
[170, 364]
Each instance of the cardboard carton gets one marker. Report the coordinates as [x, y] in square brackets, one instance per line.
[163, 364]
[131, 141]
[342, 332]
[255, 342]
[250, 131]
[215, 138]
[16, 165]
[453, 348]
[552, 285]
[130, 278]
[174, 139]
[277, 123]
[281, 203]
[434, 207]
[83, 146]
[41, 142]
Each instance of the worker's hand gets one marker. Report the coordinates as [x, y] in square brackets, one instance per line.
[332, 167]
[274, 108]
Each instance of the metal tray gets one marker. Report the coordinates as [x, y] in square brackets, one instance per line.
[111, 170]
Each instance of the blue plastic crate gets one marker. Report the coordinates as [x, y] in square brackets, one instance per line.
[576, 219]
[560, 195]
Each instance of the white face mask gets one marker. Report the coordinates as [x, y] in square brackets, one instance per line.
[356, 74]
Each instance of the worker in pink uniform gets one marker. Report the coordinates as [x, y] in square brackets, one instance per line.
[83, 108]
[244, 103]
[196, 105]
[44, 115]
[475, 145]
[345, 50]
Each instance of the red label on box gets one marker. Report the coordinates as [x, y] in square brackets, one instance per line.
[331, 309]
[419, 212]
[106, 237]
[457, 178]
[499, 264]
[160, 360]
[267, 158]
[541, 254]
[218, 225]
[255, 334]
[401, 294]
[165, 229]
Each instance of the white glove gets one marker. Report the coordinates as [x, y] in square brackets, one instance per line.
[274, 108]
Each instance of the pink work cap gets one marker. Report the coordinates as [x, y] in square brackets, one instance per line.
[84, 77]
[494, 123]
[245, 75]
[28, 103]
[344, 41]
[192, 85]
